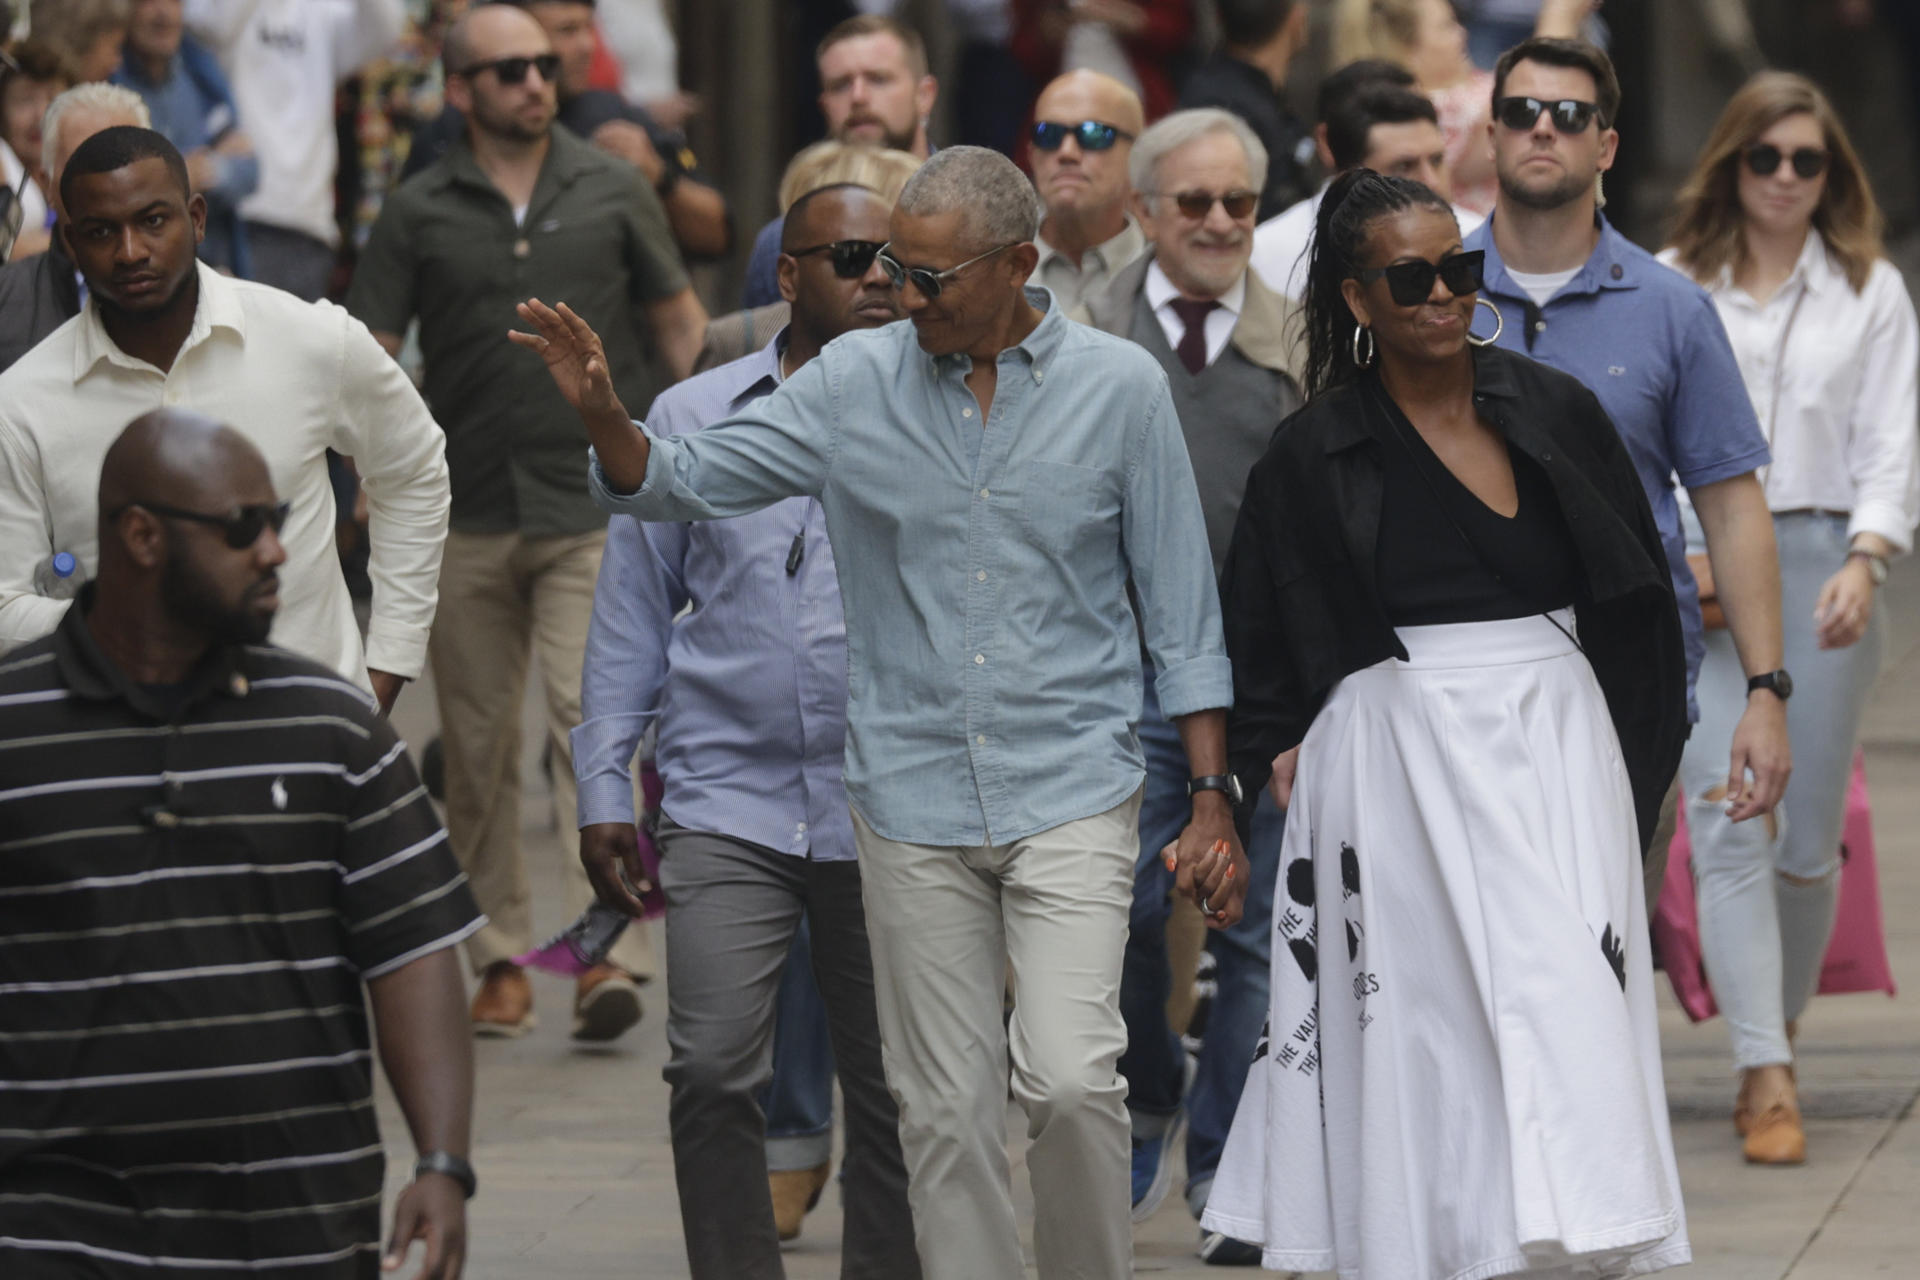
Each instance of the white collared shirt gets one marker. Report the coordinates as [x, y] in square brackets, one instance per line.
[1220, 321]
[1833, 378]
[1280, 243]
[296, 379]
[1073, 285]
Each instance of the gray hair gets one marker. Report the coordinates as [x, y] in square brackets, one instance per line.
[1175, 131]
[97, 96]
[999, 204]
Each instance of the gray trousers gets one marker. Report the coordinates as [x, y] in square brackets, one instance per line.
[732, 909]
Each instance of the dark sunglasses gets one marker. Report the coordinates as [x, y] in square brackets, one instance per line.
[1570, 115]
[1090, 134]
[514, 70]
[1198, 204]
[242, 525]
[1411, 283]
[851, 258]
[1764, 158]
[930, 283]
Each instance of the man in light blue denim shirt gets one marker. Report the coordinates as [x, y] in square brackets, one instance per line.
[991, 477]
[747, 689]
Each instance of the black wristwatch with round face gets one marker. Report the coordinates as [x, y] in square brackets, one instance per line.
[1778, 683]
[1223, 782]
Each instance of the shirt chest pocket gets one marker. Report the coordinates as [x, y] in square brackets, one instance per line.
[1064, 506]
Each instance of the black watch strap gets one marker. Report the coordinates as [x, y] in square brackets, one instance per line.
[1778, 683]
[1223, 782]
[453, 1166]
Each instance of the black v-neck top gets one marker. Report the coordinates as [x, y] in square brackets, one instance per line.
[1502, 568]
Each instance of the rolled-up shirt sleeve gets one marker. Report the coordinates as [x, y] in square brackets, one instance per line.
[1165, 536]
[781, 446]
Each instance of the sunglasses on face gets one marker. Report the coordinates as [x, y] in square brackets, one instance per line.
[1198, 204]
[850, 258]
[1090, 134]
[1764, 159]
[1411, 283]
[243, 525]
[514, 70]
[929, 283]
[1570, 115]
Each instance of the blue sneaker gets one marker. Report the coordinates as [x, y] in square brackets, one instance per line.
[1153, 1166]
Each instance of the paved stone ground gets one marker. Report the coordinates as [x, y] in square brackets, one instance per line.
[577, 1174]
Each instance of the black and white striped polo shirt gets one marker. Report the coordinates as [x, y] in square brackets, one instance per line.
[193, 889]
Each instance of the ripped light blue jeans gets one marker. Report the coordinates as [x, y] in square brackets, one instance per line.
[1766, 898]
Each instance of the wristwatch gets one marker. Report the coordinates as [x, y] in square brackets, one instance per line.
[1876, 565]
[1778, 683]
[452, 1165]
[1217, 782]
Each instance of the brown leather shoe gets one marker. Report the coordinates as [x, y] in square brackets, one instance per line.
[1743, 1109]
[503, 1006]
[606, 1001]
[795, 1192]
[1776, 1136]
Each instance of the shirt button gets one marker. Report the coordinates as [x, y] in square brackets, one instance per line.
[1539, 326]
[166, 820]
[172, 397]
[985, 494]
[980, 576]
[966, 413]
[1039, 375]
[980, 739]
[803, 826]
[979, 659]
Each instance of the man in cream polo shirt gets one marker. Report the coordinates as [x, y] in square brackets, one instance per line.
[295, 378]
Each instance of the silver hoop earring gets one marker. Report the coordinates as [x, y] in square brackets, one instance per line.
[1359, 332]
[1499, 324]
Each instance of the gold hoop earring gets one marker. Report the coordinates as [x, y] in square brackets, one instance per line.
[1359, 332]
[1499, 325]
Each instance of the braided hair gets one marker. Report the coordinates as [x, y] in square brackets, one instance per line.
[1356, 200]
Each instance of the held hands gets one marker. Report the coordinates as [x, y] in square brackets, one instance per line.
[1208, 864]
[574, 356]
[1280, 785]
[1760, 748]
[610, 851]
[1845, 606]
[432, 1209]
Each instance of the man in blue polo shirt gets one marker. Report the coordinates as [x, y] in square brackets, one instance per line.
[1574, 293]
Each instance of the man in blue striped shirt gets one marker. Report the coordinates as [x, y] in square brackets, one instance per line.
[992, 476]
[747, 690]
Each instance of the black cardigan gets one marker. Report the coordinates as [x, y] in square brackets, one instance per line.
[1301, 604]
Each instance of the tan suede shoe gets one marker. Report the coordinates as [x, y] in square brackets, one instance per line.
[795, 1192]
[606, 1001]
[1776, 1136]
[503, 1006]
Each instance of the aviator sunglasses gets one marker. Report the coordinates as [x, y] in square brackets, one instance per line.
[850, 258]
[1570, 115]
[1198, 204]
[930, 283]
[1090, 134]
[242, 525]
[514, 70]
[1411, 283]
[1764, 158]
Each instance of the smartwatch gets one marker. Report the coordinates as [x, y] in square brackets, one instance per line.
[1876, 566]
[453, 1166]
[1778, 683]
[1217, 782]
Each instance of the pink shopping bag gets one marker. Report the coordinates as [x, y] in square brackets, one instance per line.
[1857, 955]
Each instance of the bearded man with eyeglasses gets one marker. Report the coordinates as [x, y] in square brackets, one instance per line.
[1221, 336]
[991, 476]
[518, 206]
[296, 378]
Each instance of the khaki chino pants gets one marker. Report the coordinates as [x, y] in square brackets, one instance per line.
[945, 925]
[500, 596]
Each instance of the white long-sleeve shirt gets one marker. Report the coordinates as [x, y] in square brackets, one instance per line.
[1834, 376]
[296, 378]
[284, 59]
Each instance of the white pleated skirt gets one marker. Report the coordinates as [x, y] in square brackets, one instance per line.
[1461, 1073]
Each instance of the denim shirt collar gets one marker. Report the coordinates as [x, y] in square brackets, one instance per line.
[1038, 347]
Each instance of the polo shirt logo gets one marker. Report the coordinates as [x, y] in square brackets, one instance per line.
[279, 794]
[1616, 370]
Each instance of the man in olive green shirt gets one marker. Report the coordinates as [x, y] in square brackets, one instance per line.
[518, 209]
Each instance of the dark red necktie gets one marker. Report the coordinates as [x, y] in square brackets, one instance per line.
[1193, 343]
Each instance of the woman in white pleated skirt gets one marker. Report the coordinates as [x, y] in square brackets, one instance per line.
[1447, 604]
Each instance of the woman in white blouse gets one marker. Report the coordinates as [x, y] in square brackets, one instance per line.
[1777, 222]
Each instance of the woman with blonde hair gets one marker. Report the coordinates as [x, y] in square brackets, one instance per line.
[1426, 38]
[1780, 226]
